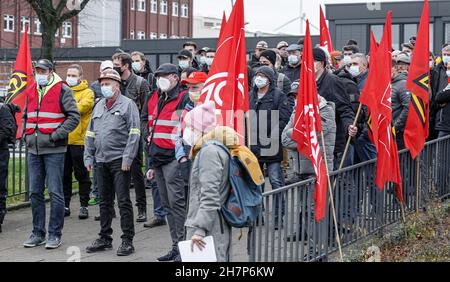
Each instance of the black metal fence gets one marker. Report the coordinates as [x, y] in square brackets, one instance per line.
[17, 183]
[292, 234]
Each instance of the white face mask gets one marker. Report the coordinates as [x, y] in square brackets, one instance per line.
[190, 137]
[42, 79]
[136, 66]
[202, 60]
[347, 60]
[209, 61]
[293, 60]
[260, 81]
[163, 84]
[448, 73]
[184, 64]
[72, 81]
[446, 59]
[431, 64]
[354, 71]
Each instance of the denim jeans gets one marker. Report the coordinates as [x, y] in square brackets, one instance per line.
[158, 209]
[364, 148]
[276, 180]
[47, 168]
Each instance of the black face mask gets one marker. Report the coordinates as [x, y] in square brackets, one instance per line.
[119, 70]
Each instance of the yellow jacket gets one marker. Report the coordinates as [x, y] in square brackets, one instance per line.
[84, 97]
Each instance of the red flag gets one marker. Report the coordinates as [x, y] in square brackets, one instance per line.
[325, 38]
[308, 125]
[372, 54]
[21, 80]
[222, 27]
[376, 95]
[227, 81]
[418, 82]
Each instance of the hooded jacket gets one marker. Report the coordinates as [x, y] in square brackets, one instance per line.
[265, 144]
[400, 102]
[7, 123]
[84, 97]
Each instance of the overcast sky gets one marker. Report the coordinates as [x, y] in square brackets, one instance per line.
[268, 15]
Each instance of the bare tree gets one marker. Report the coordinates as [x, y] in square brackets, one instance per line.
[52, 14]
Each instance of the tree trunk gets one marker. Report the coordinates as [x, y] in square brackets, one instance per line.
[48, 40]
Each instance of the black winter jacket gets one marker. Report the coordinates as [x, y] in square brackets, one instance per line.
[443, 113]
[7, 123]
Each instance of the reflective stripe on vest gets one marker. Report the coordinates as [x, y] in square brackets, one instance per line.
[165, 129]
[47, 115]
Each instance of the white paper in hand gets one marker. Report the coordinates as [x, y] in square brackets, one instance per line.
[208, 254]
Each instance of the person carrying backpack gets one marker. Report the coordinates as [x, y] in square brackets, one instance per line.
[210, 184]
[8, 130]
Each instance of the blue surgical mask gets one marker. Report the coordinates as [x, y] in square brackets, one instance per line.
[209, 61]
[136, 66]
[446, 59]
[448, 73]
[260, 81]
[293, 60]
[42, 79]
[184, 64]
[72, 81]
[107, 91]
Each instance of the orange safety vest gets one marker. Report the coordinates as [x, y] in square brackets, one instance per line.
[47, 116]
[164, 126]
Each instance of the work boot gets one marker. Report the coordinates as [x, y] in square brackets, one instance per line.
[126, 248]
[100, 244]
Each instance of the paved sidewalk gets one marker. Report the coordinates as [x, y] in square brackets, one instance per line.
[77, 234]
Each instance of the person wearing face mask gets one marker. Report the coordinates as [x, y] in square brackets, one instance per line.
[209, 60]
[141, 67]
[112, 140]
[268, 58]
[84, 97]
[267, 100]
[332, 89]
[443, 115]
[292, 69]
[347, 52]
[185, 60]
[260, 47]
[282, 46]
[50, 114]
[137, 89]
[400, 96]
[192, 47]
[439, 82]
[163, 120]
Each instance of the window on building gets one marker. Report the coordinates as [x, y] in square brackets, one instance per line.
[8, 23]
[133, 4]
[132, 34]
[409, 30]
[163, 7]
[185, 10]
[141, 35]
[154, 6]
[153, 35]
[378, 33]
[208, 24]
[24, 22]
[431, 37]
[67, 30]
[175, 9]
[37, 27]
[141, 5]
[162, 36]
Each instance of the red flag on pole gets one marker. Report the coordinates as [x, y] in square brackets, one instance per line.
[418, 82]
[21, 80]
[376, 95]
[227, 81]
[222, 27]
[308, 125]
[372, 54]
[325, 38]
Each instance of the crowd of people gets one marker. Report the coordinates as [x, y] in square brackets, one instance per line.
[133, 114]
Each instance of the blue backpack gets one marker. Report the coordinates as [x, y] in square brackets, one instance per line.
[243, 204]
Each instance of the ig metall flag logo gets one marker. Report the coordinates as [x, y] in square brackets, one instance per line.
[74, 5]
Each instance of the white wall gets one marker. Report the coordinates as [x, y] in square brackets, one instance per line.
[100, 24]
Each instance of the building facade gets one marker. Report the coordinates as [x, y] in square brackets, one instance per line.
[157, 19]
[355, 21]
[17, 14]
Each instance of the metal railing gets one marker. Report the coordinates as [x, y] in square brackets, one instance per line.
[17, 183]
[292, 234]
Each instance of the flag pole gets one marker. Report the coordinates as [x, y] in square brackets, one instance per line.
[417, 183]
[333, 210]
[403, 218]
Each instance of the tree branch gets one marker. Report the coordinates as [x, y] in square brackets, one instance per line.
[60, 7]
[73, 13]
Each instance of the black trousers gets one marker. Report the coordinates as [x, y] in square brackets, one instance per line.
[138, 180]
[111, 179]
[4, 159]
[74, 163]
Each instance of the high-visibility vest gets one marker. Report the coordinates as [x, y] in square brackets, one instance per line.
[47, 116]
[164, 125]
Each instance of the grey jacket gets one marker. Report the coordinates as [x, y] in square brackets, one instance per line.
[137, 89]
[327, 113]
[208, 191]
[43, 144]
[113, 133]
[400, 102]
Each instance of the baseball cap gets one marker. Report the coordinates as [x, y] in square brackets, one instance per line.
[294, 47]
[282, 44]
[166, 69]
[195, 78]
[184, 54]
[262, 45]
[44, 64]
